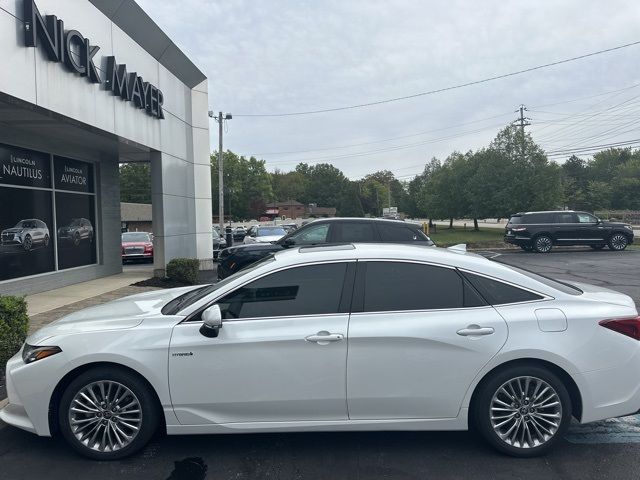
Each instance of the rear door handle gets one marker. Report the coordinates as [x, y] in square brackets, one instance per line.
[324, 337]
[475, 331]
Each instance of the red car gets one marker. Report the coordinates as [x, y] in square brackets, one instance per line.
[137, 246]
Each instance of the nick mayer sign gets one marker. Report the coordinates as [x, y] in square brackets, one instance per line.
[76, 52]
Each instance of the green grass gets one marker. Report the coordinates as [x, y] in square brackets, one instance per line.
[485, 237]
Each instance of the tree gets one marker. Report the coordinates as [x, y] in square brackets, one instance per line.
[324, 184]
[135, 182]
[290, 185]
[349, 204]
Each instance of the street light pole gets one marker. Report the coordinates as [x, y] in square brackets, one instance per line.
[220, 119]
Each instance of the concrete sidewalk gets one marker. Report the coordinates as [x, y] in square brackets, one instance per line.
[60, 297]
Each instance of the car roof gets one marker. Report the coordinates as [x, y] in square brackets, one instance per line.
[360, 219]
[544, 211]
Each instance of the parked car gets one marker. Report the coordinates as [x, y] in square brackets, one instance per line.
[540, 231]
[264, 234]
[27, 233]
[325, 231]
[219, 242]
[137, 246]
[436, 340]
[77, 230]
[239, 233]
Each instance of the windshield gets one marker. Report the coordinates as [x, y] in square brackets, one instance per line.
[549, 282]
[25, 224]
[135, 237]
[191, 297]
[270, 231]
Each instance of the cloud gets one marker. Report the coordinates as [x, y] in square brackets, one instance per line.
[280, 56]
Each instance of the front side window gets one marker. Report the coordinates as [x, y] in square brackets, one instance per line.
[311, 235]
[586, 218]
[308, 290]
[394, 286]
[348, 232]
[499, 293]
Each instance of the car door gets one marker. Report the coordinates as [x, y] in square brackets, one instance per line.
[280, 355]
[566, 227]
[590, 230]
[418, 336]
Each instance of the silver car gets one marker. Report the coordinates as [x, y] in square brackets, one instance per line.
[27, 233]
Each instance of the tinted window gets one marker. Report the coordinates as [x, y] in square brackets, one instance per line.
[353, 232]
[515, 219]
[586, 218]
[391, 286]
[311, 290]
[311, 235]
[538, 218]
[549, 282]
[399, 233]
[565, 217]
[497, 293]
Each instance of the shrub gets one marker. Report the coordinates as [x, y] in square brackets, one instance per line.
[14, 324]
[184, 270]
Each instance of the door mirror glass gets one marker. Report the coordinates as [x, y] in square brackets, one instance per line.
[212, 322]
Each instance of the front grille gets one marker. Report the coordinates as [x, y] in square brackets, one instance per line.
[7, 237]
[133, 250]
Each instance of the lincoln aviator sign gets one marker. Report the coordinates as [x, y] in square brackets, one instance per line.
[76, 52]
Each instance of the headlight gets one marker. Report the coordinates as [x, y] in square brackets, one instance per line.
[30, 353]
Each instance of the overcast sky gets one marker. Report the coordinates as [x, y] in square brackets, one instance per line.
[282, 56]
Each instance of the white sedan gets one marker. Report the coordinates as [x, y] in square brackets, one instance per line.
[267, 234]
[436, 340]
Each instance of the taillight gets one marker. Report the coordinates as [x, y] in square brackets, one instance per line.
[626, 326]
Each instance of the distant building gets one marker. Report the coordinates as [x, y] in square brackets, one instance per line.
[136, 217]
[294, 209]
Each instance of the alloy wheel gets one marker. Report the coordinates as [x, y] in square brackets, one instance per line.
[618, 242]
[27, 243]
[525, 412]
[543, 244]
[105, 416]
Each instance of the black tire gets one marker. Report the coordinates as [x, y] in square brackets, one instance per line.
[27, 243]
[46, 240]
[485, 396]
[597, 247]
[542, 244]
[76, 239]
[148, 424]
[618, 242]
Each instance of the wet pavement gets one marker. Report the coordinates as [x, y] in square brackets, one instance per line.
[602, 450]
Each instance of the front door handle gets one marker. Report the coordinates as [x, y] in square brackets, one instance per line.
[475, 331]
[324, 338]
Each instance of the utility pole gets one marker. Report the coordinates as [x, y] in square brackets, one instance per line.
[220, 119]
[523, 122]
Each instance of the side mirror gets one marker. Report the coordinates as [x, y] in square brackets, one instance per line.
[288, 242]
[212, 322]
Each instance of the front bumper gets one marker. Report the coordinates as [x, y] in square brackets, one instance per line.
[14, 412]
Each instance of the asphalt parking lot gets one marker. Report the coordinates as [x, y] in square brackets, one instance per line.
[596, 451]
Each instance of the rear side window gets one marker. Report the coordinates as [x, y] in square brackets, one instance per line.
[394, 286]
[498, 293]
[515, 219]
[309, 290]
[353, 232]
[399, 233]
[565, 218]
[538, 218]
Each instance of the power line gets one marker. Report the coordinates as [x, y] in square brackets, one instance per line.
[440, 90]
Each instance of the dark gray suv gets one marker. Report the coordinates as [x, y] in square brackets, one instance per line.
[540, 231]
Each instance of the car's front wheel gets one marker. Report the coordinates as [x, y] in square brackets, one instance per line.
[523, 410]
[618, 242]
[542, 244]
[27, 243]
[106, 413]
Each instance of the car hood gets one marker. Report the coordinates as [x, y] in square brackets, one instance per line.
[135, 244]
[126, 312]
[615, 224]
[602, 294]
[13, 230]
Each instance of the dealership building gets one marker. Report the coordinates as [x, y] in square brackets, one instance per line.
[84, 86]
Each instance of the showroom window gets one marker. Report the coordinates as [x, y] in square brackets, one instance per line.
[48, 222]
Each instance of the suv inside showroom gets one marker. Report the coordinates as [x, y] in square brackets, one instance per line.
[540, 231]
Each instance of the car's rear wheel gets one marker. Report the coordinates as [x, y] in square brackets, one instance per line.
[618, 242]
[523, 410]
[542, 244]
[106, 413]
[597, 247]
